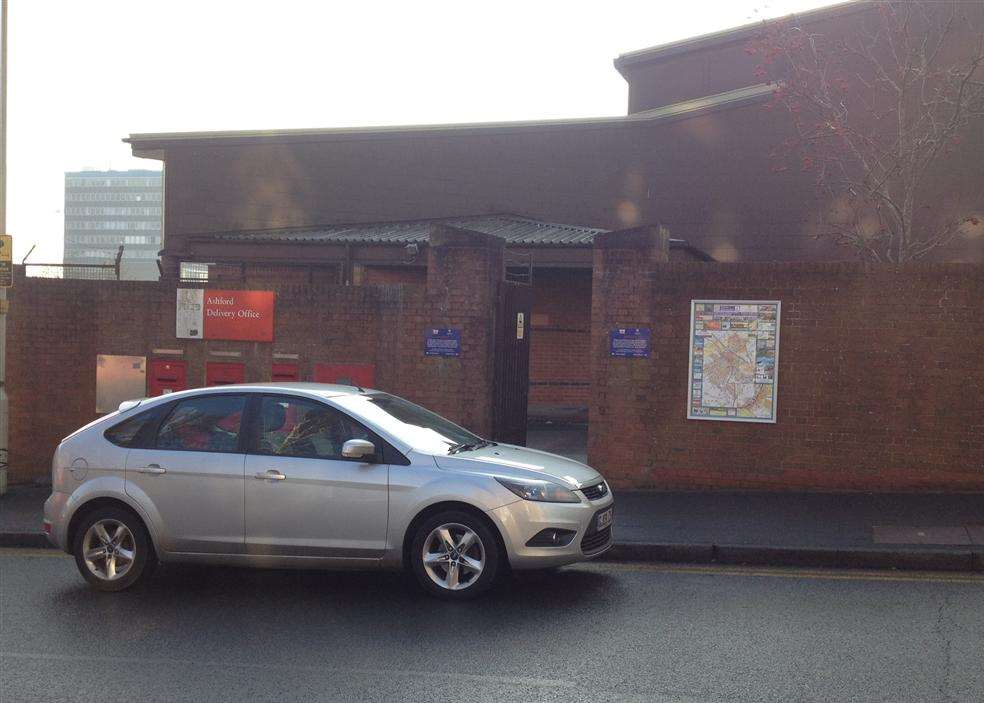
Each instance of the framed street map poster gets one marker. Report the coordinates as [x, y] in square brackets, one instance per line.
[734, 360]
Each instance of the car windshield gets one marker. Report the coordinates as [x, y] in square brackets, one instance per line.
[410, 423]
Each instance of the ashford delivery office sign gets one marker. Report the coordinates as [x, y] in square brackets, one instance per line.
[239, 315]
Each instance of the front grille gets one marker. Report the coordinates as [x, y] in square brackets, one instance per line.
[599, 490]
[596, 540]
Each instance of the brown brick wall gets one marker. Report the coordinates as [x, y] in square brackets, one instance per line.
[560, 336]
[389, 275]
[880, 377]
[57, 327]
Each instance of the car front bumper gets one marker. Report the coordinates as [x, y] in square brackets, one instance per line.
[520, 520]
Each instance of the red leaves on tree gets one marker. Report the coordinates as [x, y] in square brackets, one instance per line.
[870, 109]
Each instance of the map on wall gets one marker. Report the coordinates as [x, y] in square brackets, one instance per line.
[734, 354]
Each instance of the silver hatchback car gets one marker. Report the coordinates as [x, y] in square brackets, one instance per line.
[315, 476]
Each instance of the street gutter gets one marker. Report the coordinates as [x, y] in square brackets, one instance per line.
[900, 558]
[903, 558]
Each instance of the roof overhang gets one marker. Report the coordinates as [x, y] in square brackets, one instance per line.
[653, 54]
[155, 145]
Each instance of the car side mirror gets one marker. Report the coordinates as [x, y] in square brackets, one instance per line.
[358, 449]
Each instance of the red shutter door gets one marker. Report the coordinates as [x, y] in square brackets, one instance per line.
[224, 373]
[166, 376]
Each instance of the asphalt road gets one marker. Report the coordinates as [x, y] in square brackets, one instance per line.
[597, 632]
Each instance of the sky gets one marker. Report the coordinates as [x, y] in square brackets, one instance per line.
[82, 75]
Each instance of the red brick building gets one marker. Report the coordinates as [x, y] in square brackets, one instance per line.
[353, 205]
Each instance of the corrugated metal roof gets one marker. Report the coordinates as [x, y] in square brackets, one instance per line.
[512, 228]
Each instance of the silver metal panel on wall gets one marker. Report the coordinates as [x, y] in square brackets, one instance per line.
[119, 378]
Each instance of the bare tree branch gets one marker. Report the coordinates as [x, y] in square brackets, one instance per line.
[873, 112]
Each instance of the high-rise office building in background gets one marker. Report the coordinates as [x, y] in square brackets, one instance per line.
[104, 209]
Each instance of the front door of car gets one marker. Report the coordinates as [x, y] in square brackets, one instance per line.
[302, 497]
[190, 475]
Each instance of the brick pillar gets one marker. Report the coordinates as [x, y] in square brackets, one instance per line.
[464, 273]
[464, 263]
[618, 438]
[170, 267]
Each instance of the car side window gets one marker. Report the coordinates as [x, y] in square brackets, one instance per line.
[303, 428]
[209, 423]
[128, 432]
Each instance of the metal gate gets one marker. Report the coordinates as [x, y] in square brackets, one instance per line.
[512, 362]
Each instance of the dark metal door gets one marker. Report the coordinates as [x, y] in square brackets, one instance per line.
[512, 363]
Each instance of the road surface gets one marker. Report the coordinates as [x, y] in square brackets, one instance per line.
[596, 632]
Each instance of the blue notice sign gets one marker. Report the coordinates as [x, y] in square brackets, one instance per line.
[442, 342]
[630, 342]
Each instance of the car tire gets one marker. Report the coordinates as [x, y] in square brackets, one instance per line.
[453, 573]
[119, 562]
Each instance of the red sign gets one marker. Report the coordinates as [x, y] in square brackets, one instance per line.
[240, 315]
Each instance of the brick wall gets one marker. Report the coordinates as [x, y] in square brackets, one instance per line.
[880, 376]
[383, 275]
[56, 328]
[560, 339]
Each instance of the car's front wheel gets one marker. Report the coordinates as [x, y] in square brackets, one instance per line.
[112, 549]
[455, 555]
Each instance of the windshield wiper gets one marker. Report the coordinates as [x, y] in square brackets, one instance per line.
[468, 446]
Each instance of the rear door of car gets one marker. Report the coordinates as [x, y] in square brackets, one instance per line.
[302, 497]
[188, 474]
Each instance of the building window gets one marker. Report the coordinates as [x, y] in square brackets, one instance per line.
[193, 271]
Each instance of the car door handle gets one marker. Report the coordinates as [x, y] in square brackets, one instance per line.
[151, 469]
[271, 475]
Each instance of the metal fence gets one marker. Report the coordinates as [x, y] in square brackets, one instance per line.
[95, 272]
[518, 267]
[280, 273]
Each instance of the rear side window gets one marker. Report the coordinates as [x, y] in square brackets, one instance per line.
[208, 423]
[130, 432]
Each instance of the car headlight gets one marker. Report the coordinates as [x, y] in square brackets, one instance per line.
[542, 491]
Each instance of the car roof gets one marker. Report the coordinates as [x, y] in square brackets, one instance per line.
[321, 390]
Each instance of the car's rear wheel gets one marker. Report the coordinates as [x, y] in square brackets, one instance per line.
[112, 549]
[455, 555]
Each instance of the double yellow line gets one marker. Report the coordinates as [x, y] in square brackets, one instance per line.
[791, 572]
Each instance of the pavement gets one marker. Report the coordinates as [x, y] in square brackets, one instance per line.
[21, 511]
[845, 530]
[596, 633]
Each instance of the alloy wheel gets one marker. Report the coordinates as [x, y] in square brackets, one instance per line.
[453, 556]
[108, 549]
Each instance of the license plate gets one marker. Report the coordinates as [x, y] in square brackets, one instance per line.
[604, 519]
